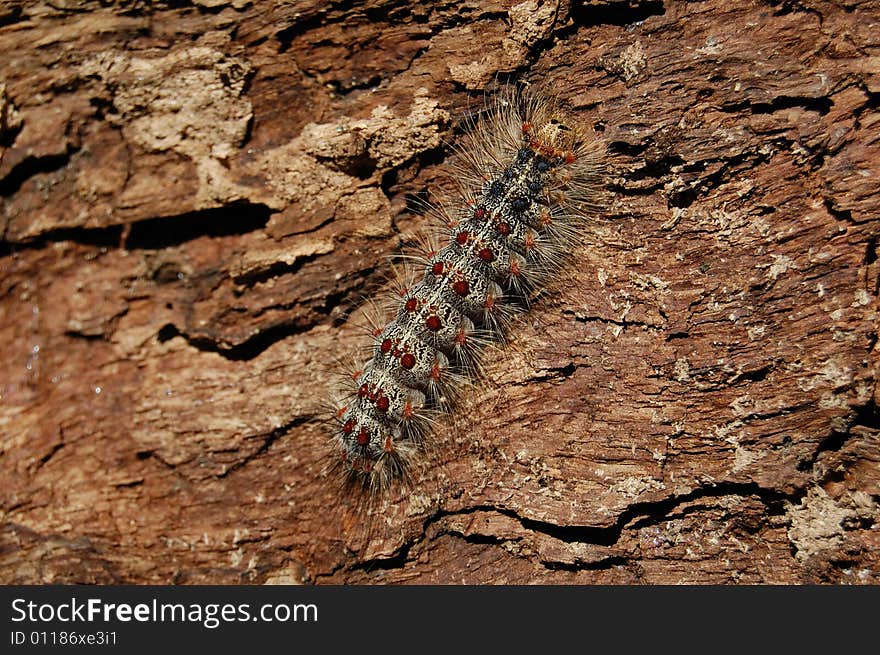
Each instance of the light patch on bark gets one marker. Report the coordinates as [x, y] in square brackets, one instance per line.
[190, 101]
[816, 523]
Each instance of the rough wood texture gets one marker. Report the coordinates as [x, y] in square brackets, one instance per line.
[195, 196]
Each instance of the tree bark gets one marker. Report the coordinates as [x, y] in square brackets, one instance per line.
[197, 200]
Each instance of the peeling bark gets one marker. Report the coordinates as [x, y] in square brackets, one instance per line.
[196, 199]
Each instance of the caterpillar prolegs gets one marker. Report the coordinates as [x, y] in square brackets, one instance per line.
[528, 177]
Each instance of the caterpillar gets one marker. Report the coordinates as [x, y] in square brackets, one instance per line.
[528, 177]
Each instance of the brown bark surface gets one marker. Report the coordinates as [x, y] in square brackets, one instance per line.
[196, 198]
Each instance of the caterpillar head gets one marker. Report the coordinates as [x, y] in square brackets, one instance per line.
[557, 132]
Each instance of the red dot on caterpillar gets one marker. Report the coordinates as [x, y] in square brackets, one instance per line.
[433, 323]
[486, 255]
[348, 428]
[382, 403]
[385, 347]
[461, 287]
[437, 268]
[408, 360]
[363, 438]
[480, 213]
[502, 228]
[411, 305]
[461, 238]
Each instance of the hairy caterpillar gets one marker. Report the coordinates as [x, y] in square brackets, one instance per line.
[528, 176]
